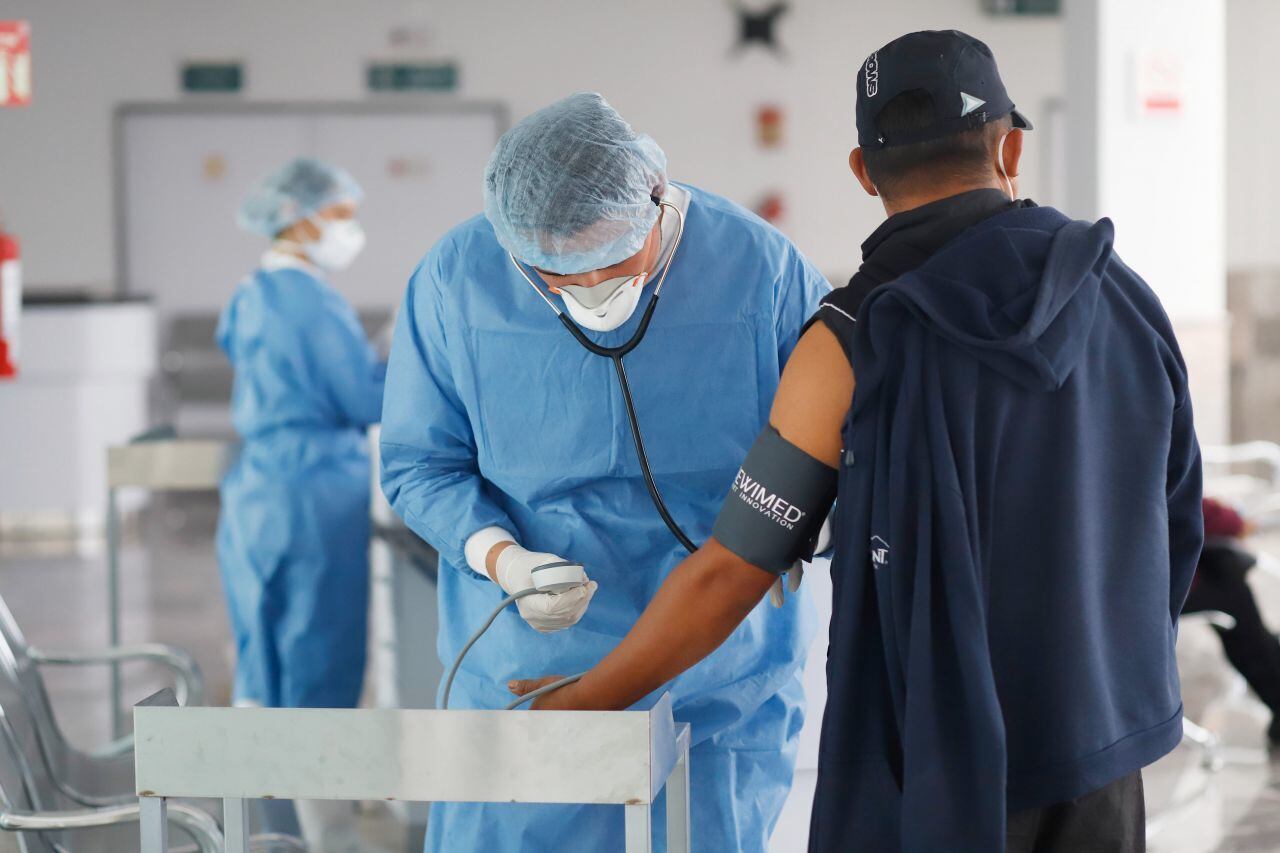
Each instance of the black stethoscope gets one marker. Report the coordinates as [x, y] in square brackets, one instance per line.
[615, 354]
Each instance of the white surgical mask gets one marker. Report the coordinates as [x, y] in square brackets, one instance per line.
[339, 242]
[605, 306]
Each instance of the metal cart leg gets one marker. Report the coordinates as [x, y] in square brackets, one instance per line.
[153, 822]
[639, 828]
[113, 607]
[235, 825]
[678, 807]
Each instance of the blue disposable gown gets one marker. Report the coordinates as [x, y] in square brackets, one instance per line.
[496, 416]
[293, 535]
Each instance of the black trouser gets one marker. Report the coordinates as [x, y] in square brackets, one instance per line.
[1252, 649]
[1110, 820]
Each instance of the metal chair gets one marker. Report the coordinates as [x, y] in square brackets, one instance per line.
[48, 788]
[42, 776]
[1247, 475]
[103, 776]
[1206, 743]
[1211, 761]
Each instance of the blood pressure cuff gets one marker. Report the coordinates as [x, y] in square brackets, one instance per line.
[777, 504]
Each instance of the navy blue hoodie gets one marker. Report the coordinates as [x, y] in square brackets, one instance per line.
[1017, 526]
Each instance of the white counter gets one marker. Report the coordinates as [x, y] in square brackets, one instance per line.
[83, 385]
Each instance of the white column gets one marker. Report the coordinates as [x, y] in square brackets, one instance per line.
[1146, 130]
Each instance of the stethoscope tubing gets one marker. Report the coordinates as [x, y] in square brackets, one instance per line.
[616, 354]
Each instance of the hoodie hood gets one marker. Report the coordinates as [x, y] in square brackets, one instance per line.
[1019, 292]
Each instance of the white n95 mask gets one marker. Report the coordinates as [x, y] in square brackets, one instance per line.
[339, 242]
[605, 306]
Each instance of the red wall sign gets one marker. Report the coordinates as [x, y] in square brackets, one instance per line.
[769, 122]
[15, 63]
[1160, 83]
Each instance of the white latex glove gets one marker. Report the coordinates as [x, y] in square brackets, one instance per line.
[545, 612]
[793, 578]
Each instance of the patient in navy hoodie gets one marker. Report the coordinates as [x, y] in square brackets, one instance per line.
[1004, 410]
[1021, 436]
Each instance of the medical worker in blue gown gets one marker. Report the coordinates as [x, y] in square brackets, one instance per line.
[505, 441]
[293, 536]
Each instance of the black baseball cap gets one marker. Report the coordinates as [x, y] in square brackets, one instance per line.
[957, 70]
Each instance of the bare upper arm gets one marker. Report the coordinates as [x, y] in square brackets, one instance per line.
[735, 576]
[813, 397]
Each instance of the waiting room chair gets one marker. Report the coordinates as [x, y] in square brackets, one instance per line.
[52, 792]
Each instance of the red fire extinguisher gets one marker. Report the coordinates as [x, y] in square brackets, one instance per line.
[10, 304]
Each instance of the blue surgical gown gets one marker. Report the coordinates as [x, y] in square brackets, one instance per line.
[495, 415]
[293, 535]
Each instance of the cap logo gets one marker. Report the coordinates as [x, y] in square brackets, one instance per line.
[970, 103]
[872, 74]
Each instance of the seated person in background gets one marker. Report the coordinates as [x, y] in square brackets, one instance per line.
[1220, 584]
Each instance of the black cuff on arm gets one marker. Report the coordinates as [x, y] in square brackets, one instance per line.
[777, 504]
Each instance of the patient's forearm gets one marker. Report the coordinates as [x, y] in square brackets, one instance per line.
[697, 607]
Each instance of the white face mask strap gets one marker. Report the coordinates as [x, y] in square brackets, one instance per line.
[319, 223]
[1000, 165]
[316, 222]
[657, 289]
[536, 289]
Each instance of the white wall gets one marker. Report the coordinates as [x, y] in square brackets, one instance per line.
[1253, 105]
[1159, 177]
[665, 64]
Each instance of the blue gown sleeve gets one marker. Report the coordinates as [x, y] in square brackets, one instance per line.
[430, 472]
[796, 298]
[353, 373]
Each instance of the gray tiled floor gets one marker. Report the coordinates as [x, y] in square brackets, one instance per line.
[171, 594]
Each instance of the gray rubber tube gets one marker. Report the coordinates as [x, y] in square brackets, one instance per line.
[457, 662]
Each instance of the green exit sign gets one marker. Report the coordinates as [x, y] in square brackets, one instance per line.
[412, 77]
[212, 77]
